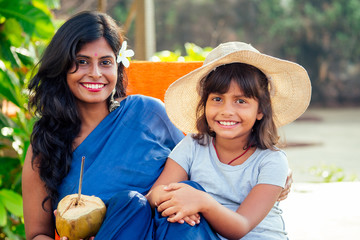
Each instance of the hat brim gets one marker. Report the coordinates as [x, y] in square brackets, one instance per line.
[290, 89]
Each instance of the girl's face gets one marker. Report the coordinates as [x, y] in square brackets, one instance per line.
[232, 115]
[96, 76]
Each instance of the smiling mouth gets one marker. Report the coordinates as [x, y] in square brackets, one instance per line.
[93, 85]
[227, 123]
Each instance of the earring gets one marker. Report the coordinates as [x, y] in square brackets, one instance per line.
[113, 104]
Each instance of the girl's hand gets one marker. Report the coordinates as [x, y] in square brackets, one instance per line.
[285, 192]
[191, 220]
[155, 194]
[182, 201]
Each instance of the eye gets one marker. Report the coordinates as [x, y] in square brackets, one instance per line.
[240, 101]
[216, 99]
[82, 61]
[106, 62]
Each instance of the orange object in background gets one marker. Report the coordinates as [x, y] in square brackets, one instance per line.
[153, 78]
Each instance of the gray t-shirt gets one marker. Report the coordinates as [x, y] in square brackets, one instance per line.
[230, 185]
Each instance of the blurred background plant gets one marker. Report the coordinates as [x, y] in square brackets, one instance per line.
[25, 28]
[193, 53]
[332, 173]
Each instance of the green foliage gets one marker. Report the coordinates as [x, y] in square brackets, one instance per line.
[331, 173]
[25, 26]
[321, 35]
[193, 53]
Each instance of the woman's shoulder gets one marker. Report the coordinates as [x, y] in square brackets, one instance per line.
[145, 101]
[145, 107]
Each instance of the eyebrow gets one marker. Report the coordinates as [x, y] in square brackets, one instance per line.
[84, 56]
[236, 96]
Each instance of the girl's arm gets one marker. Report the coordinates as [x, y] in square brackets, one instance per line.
[186, 200]
[38, 222]
[172, 173]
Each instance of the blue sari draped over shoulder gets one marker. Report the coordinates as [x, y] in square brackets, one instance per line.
[126, 151]
[124, 155]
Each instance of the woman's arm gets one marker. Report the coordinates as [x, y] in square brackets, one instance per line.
[186, 200]
[38, 222]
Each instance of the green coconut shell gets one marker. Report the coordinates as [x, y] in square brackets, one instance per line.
[79, 220]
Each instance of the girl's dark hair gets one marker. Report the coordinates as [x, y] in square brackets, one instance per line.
[254, 84]
[52, 101]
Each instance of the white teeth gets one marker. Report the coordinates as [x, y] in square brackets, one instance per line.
[93, 86]
[227, 123]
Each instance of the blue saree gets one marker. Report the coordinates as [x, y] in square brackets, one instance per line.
[126, 151]
[124, 155]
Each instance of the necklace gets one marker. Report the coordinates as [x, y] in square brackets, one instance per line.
[247, 149]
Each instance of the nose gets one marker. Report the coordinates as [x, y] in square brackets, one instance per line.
[95, 71]
[227, 109]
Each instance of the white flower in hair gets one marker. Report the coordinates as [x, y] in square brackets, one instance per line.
[124, 54]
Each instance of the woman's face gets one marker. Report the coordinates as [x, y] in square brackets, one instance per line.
[96, 76]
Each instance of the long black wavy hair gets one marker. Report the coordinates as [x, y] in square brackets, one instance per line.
[51, 100]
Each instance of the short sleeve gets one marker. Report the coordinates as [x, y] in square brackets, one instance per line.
[273, 169]
[183, 152]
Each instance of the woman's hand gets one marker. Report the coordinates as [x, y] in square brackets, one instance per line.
[285, 192]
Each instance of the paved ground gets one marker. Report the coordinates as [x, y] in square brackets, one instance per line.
[324, 211]
[334, 138]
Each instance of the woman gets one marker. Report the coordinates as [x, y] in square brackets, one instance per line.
[79, 95]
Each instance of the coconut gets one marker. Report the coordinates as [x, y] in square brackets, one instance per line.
[79, 218]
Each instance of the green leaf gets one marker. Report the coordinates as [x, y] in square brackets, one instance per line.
[5, 52]
[7, 87]
[46, 5]
[5, 121]
[12, 201]
[7, 165]
[13, 31]
[20, 230]
[33, 20]
[25, 59]
[3, 215]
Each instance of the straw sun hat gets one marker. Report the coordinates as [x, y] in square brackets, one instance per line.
[290, 86]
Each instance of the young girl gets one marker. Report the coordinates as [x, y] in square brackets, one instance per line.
[242, 96]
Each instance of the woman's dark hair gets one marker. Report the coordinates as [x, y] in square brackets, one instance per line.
[254, 84]
[52, 101]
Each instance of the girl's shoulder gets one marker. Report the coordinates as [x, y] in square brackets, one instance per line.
[191, 142]
[274, 153]
[267, 156]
